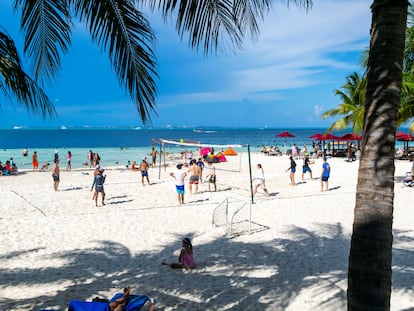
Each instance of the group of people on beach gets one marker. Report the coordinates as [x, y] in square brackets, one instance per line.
[195, 170]
[8, 168]
[325, 174]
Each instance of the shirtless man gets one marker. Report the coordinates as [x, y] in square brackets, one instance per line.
[195, 175]
[55, 174]
[144, 171]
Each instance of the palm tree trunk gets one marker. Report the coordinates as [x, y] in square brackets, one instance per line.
[369, 274]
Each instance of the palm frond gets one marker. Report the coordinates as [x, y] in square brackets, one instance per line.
[213, 24]
[46, 24]
[125, 34]
[14, 82]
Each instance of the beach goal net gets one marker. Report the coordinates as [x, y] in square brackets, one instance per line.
[227, 157]
[234, 215]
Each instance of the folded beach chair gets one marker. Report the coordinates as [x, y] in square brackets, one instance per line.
[135, 303]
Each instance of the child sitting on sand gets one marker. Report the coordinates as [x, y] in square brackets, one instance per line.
[186, 259]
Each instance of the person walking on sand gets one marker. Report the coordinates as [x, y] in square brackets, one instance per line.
[306, 168]
[56, 174]
[326, 171]
[212, 178]
[143, 167]
[260, 180]
[292, 169]
[35, 161]
[179, 175]
[195, 173]
[98, 182]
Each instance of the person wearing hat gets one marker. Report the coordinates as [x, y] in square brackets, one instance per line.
[98, 182]
[143, 167]
[179, 176]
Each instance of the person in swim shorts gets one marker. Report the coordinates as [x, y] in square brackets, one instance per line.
[326, 171]
[144, 171]
[292, 169]
[212, 178]
[195, 174]
[179, 175]
[306, 168]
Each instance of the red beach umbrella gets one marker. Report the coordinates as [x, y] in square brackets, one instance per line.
[285, 134]
[401, 136]
[351, 136]
[326, 136]
[405, 137]
[329, 136]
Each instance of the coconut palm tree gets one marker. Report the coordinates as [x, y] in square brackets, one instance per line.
[352, 106]
[122, 31]
[352, 95]
[369, 271]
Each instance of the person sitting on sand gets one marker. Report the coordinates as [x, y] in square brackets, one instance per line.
[45, 166]
[185, 259]
[121, 303]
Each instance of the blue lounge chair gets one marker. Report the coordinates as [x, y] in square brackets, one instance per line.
[135, 303]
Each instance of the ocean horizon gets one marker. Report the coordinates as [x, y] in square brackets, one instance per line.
[118, 145]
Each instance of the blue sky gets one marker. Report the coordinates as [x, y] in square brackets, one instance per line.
[286, 78]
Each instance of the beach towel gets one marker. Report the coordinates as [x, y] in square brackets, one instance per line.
[76, 305]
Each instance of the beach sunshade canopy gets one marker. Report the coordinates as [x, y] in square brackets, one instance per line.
[401, 136]
[205, 151]
[285, 134]
[317, 136]
[230, 152]
[350, 136]
[326, 136]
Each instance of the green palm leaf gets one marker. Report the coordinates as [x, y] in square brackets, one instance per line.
[125, 34]
[46, 24]
[14, 81]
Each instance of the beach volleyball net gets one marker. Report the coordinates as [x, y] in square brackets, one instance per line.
[227, 157]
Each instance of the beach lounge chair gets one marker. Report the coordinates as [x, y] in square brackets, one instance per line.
[136, 303]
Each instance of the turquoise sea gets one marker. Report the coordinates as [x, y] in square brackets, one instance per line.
[118, 145]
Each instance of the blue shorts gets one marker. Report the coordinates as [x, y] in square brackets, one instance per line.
[306, 169]
[180, 189]
[293, 170]
[144, 173]
[325, 178]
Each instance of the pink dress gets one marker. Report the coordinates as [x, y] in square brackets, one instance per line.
[188, 260]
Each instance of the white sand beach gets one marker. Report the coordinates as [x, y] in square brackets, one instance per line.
[57, 246]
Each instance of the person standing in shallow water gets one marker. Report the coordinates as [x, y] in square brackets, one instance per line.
[69, 166]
